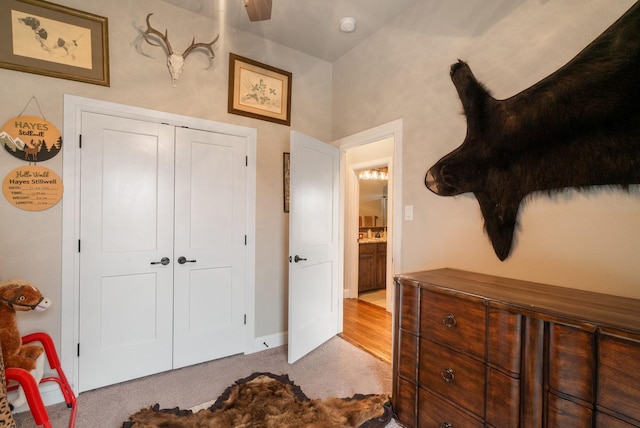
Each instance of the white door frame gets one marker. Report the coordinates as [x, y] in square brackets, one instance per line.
[73, 108]
[391, 129]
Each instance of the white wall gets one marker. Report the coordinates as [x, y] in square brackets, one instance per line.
[587, 240]
[31, 241]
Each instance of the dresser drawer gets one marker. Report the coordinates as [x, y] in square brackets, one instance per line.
[563, 413]
[455, 320]
[455, 376]
[619, 373]
[407, 354]
[407, 302]
[607, 421]
[571, 361]
[503, 400]
[404, 402]
[435, 412]
[504, 344]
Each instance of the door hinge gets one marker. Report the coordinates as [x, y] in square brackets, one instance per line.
[78, 349]
[245, 319]
[80, 141]
[245, 240]
[246, 161]
[78, 245]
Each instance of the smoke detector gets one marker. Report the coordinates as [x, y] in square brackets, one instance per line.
[348, 24]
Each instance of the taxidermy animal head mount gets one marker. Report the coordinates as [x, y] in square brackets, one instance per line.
[175, 62]
[578, 127]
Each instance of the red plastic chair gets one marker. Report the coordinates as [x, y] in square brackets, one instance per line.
[31, 391]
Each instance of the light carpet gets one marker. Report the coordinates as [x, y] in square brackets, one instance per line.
[335, 369]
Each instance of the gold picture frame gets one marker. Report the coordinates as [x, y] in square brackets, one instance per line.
[52, 40]
[259, 91]
[286, 180]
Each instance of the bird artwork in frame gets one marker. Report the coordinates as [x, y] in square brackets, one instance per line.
[259, 90]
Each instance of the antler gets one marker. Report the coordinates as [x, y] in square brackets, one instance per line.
[175, 62]
[207, 46]
[163, 37]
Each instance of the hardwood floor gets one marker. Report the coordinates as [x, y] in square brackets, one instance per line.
[369, 327]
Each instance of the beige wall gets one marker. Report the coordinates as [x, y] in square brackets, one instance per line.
[588, 240]
[31, 241]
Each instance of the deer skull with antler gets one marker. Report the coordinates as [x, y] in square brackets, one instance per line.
[175, 62]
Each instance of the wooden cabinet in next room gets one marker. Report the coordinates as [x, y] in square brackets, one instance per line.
[372, 266]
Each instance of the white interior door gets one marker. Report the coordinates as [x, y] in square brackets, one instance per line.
[314, 286]
[210, 248]
[126, 298]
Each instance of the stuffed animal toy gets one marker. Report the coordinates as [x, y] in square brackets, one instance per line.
[18, 295]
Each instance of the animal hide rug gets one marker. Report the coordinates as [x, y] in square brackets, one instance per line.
[265, 400]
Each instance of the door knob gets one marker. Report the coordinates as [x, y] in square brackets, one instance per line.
[182, 260]
[164, 261]
[298, 259]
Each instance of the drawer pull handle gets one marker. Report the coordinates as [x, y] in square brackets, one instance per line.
[445, 425]
[450, 321]
[447, 375]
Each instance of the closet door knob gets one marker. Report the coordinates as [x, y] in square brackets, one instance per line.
[298, 259]
[182, 260]
[164, 261]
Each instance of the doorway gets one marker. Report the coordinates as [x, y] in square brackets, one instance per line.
[372, 183]
[377, 147]
[197, 134]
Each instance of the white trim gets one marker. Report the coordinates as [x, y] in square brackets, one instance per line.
[271, 341]
[74, 106]
[391, 129]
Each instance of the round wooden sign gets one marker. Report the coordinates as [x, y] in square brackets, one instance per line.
[30, 138]
[32, 188]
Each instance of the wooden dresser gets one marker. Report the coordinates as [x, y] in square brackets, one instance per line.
[474, 350]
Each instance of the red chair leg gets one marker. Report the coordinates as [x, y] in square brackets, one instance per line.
[61, 380]
[32, 393]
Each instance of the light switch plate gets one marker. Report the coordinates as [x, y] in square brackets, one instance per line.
[408, 212]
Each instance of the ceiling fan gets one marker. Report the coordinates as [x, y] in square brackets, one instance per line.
[258, 10]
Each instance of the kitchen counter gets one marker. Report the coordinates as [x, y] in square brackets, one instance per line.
[371, 240]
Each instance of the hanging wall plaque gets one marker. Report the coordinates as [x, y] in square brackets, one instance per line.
[32, 188]
[30, 138]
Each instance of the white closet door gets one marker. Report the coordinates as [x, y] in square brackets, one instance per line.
[126, 294]
[210, 228]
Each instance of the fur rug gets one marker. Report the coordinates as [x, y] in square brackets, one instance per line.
[265, 400]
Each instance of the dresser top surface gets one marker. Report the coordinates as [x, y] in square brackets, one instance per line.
[579, 305]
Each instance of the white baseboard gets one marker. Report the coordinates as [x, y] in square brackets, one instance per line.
[267, 342]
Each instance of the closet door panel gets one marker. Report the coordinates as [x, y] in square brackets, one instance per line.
[210, 227]
[126, 293]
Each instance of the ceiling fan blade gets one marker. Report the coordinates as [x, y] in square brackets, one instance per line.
[258, 10]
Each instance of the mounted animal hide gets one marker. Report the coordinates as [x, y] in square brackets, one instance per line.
[578, 127]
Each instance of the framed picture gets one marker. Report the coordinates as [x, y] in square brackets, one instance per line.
[259, 90]
[286, 168]
[45, 38]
